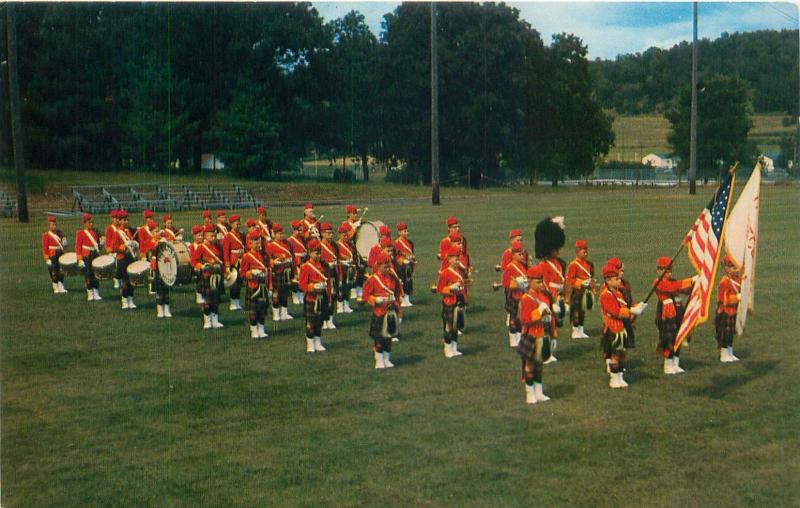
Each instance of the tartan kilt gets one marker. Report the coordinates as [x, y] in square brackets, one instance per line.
[310, 314]
[448, 312]
[512, 306]
[608, 345]
[725, 325]
[668, 328]
[576, 299]
[279, 280]
[375, 326]
[526, 348]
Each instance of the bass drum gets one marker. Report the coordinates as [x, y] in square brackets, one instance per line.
[69, 263]
[105, 266]
[174, 263]
[367, 237]
[138, 272]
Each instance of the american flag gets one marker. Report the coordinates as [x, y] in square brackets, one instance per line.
[704, 240]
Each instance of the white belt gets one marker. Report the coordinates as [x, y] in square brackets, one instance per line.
[666, 301]
[556, 285]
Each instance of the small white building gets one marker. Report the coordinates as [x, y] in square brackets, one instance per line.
[660, 161]
[209, 162]
[767, 163]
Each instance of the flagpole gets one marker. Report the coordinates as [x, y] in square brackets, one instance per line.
[661, 277]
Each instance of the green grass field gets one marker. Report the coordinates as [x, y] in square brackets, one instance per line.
[105, 407]
[637, 136]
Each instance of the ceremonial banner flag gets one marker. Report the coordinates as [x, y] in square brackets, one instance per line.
[704, 242]
[741, 240]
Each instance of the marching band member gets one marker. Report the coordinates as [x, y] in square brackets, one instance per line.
[149, 252]
[207, 219]
[255, 270]
[127, 250]
[232, 250]
[549, 239]
[282, 271]
[309, 222]
[515, 235]
[300, 253]
[348, 228]
[382, 293]
[222, 225]
[728, 291]
[627, 294]
[616, 313]
[350, 224]
[169, 232]
[207, 260]
[406, 262]
[87, 247]
[452, 285]
[538, 326]
[580, 283]
[53, 243]
[515, 284]
[444, 243]
[346, 268]
[197, 240]
[264, 225]
[145, 236]
[329, 259]
[384, 243]
[669, 312]
[111, 231]
[316, 286]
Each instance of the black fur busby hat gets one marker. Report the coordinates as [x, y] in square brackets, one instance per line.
[549, 236]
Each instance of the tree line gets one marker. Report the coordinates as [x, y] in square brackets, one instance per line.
[649, 82]
[155, 85]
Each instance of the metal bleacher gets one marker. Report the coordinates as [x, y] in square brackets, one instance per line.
[160, 197]
[7, 204]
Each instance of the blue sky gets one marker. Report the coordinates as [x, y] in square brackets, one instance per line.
[612, 28]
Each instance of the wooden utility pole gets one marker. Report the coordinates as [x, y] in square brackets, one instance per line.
[693, 125]
[434, 110]
[16, 116]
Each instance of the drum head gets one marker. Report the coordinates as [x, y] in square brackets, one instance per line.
[367, 237]
[105, 266]
[167, 262]
[138, 271]
[68, 263]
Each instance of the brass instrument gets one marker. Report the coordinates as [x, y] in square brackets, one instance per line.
[498, 268]
[496, 285]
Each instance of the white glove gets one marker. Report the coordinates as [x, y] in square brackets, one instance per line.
[559, 220]
[380, 300]
[319, 286]
[357, 224]
[556, 308]
[81, 264]
[694, 279]
[49, 263]
[638, 309]
[455, 286]
[520, 281]
[566, 308]
[543, 308]
[64, 241]
[587, 283]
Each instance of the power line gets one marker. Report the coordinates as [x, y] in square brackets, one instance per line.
[784, 14]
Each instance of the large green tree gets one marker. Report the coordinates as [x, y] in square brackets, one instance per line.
[567, 128]
[724, 111]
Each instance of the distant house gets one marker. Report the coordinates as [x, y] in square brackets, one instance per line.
[660, 161]
[208, 162]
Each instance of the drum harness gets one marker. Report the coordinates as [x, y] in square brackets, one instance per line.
[391, 322]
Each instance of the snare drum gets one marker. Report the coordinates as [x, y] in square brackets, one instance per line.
[367, 236]
[105, 266]
[69, 263]
[174, 263]
[138, 272]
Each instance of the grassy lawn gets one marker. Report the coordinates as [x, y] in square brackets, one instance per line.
[105, 407]
[637, 136]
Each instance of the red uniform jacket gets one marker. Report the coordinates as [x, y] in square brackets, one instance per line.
[118, 242]
[232, 248]
[52, 244]
[553, 277]
[280, 252]
[253, 260]
[513, 270]
[532, 307]
[403, 250]
[169, 234]
[728, 295]
[143, 236]
[87, 242]
[328, 254]
[448, 277]
[578, 271]
[206, 253]
[615, 309]
[381, 285]
[351, 231]
[311, 273]
[298, 249]
[374, 252]
[666, 291]
[110, 232]
[265, 227]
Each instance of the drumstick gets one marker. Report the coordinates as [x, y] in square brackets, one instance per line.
[363, 214]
